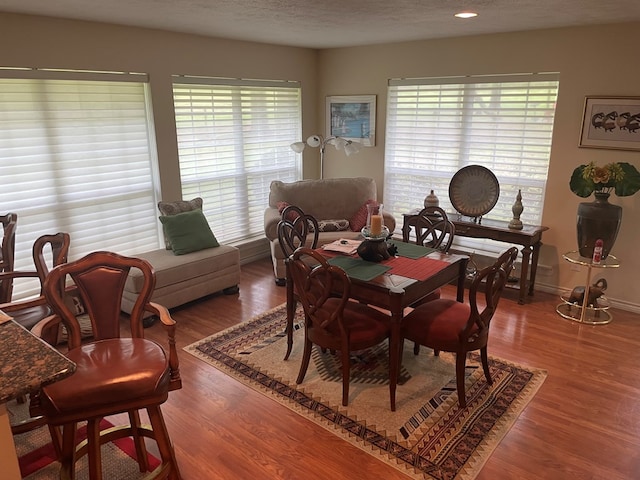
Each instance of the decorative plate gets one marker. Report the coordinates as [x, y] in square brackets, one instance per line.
[474, 190]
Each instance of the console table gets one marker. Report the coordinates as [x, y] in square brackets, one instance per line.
[530, 238]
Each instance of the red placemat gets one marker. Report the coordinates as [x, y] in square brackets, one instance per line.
[418, 269]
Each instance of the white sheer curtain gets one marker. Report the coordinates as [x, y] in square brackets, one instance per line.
[77, 156]
[233, 140]
[437, 126]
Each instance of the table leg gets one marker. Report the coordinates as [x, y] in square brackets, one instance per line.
[394, 342]
[534, 266]
[462, 275]
[524, 273]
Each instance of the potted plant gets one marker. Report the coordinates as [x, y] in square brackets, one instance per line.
[600, 219]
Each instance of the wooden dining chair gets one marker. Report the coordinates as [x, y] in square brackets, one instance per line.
[333, 321]
[116, 373]
[451, 326]
[295, 229]
[433, 229]
[30, 312]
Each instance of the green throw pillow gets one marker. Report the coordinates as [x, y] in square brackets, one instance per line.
[188, 232]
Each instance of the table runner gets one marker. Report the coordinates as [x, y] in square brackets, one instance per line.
[418, 269]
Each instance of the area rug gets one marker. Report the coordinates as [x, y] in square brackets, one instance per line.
[37, 460]
[428, 437]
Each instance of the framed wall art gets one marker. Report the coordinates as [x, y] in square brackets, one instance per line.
[352, 117]
[611, 122]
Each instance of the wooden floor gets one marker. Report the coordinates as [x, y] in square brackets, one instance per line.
[584, 423]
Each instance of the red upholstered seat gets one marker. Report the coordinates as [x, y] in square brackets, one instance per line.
[450, 326]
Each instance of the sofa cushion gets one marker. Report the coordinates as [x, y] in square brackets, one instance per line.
[172, 269]
[179, 206]
[188, 232]
[333, 225]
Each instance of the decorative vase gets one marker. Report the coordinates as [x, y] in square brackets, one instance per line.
[431, 200]
[517, 208]
[598, 220]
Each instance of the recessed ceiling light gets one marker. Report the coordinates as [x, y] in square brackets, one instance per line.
[466, 15]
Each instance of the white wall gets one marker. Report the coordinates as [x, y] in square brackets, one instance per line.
[592, 61]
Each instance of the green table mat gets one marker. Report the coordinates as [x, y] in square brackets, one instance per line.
[358, 268]
[411, 250]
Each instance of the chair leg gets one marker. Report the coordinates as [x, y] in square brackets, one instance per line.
[346, 375]
[461, 360]
[306, 356]
[93, 449]
[416, 348]
[56, 439]
[138, 440]
[485, 365]
[161, 436]
[68, 453]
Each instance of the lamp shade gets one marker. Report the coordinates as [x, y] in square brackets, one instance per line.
[297, 147]
[352, 147]
[314, 141]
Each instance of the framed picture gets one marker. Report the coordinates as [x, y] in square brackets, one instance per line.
[611, 122]
[352, 117]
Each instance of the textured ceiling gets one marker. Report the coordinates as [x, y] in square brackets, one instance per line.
[335, 23]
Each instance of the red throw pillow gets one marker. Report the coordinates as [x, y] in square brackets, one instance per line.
[291, 216]
[359, 219]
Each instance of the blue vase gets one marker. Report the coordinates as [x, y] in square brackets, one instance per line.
[598, 220]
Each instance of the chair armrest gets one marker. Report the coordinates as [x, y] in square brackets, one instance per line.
[48, 329]
[16, 306]
[271, 218]
[170, 326]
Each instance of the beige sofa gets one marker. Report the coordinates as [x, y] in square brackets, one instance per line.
[326, 199]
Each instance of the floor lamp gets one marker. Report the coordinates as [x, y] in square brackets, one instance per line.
[348, 146]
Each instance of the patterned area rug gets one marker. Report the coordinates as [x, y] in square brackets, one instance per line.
[37, 458]
[428, 437]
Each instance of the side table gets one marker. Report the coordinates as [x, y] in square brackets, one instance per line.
[592, 314]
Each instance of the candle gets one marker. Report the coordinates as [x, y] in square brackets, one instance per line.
[376, 225]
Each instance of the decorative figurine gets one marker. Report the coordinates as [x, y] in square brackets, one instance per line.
[515, 223]
[595, 291]
[431, 200]
[376, 250]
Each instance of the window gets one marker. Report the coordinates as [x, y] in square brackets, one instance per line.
[233, 140]
[77, 157]
[437, 126]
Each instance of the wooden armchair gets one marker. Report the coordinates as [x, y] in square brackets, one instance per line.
[451, 326]
[115, 373]
[333, 321]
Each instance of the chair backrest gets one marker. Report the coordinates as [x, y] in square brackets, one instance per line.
[322, 288]
[99, 279]
[7, 254]
[434, 229]
[294, 228]
[491, 280]
[59, 244]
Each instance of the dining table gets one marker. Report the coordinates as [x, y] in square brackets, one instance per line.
[393, 285]
[26, 363]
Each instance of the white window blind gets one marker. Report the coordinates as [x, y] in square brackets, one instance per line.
[233, 140]
[437, 126]
[76, 156]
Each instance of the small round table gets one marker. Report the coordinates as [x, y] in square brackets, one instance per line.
[592, 314]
